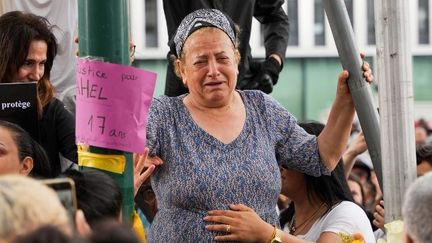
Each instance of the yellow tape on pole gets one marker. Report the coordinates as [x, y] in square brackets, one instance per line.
[112, 163]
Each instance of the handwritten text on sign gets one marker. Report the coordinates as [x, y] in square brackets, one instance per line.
[112, 105]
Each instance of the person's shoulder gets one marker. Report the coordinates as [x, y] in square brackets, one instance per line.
[161, 98]
[262, 101]
[349, 212]
[255, 96]
[344, 206]
[55, 111]
[164, 101]
[55, 101]
[54, 104]
[165, 106]
[252, 93]
[351, 205]
[348, 217]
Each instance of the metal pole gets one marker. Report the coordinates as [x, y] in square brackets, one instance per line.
[396, 101]
[350, 57]
[104, 34]
[304, 111]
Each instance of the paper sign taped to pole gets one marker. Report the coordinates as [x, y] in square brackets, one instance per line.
[112, 105]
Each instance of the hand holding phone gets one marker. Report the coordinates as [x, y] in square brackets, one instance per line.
[65, 189]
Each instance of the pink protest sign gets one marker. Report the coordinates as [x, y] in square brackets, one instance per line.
[112, 105]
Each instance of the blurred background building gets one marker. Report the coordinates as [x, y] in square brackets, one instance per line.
[307, 83]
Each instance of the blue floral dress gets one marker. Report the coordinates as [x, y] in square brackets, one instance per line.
[200, 173]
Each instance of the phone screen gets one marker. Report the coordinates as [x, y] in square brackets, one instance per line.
[65, 189]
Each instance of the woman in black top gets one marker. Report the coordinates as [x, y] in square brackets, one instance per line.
[28, 48]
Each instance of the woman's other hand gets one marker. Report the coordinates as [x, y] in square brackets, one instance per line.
[241, 223]
[143, 168]
[343, 89]
[379, 215]
[367, 71]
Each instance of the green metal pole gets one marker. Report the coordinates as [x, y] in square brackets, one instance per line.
[104, 35]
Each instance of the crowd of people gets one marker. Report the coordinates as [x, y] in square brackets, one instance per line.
[220, 155]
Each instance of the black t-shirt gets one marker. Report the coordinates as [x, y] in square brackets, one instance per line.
[57, 134]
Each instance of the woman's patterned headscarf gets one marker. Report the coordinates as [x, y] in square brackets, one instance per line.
[199, 19]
